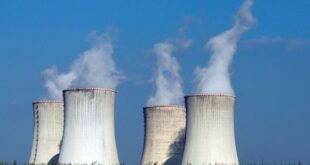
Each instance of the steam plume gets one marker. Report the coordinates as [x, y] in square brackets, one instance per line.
[215, 77]
[94, 68]
[167, 79]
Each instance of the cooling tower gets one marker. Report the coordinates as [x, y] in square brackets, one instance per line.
[89, 136]
[210, 137]
[48, 131]
[164, 132]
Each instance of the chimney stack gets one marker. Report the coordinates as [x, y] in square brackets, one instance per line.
[164, 131]
[210, 136]
[89, 135]
[48, 130]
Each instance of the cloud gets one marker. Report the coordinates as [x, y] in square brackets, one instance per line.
[167, 80]
[93, 68]
[215, 77]
[270, 41]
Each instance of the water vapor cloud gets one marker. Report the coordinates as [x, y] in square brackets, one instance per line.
[93, 68]
[215, 77]
[168, 83]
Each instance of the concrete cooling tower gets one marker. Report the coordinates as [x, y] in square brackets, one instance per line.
[48, 131]
[89, 136]
[210, 137]
[164, 132]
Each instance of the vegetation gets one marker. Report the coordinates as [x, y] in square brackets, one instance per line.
[262, 163]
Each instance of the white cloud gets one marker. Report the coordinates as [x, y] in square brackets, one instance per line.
[93, 68]
[269, 41]
[215, 77]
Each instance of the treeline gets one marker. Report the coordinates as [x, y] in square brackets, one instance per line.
[262, 163]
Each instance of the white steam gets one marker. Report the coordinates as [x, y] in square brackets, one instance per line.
[166, 78]
[94, 68]
[215, 78]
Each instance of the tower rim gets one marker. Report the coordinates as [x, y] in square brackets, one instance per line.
[164, 106]
[89, 89]
[209, 94]
[47, 101]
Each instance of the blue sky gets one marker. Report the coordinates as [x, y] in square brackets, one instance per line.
[270, 72]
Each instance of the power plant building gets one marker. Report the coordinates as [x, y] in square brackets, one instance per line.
[210, 136]
[164, 133]
[89, 135]
[48, 131]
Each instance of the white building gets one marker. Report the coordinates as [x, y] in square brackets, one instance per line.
[164, 131]
[210, 137]
[89, 136]
[48, 131]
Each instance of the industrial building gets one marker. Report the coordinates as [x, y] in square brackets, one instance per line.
[89, 135]
[164, 133]
[48, 130]
[210, 137]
